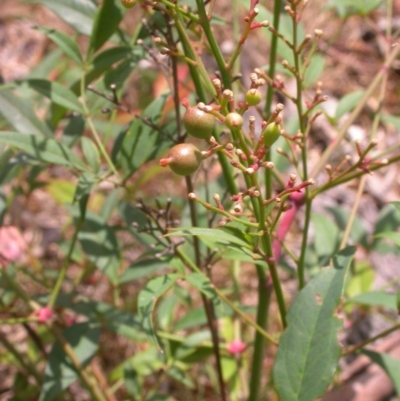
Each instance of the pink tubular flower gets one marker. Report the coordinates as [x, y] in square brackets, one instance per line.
[236, 347]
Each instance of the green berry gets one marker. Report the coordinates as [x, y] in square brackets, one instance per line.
[198, 123]
[271, 134]
[183, 159]
[253, 97]
[128, 3]
[234, 120]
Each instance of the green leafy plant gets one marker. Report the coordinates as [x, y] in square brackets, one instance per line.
[147, 296]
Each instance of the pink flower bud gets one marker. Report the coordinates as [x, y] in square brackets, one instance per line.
[236, 347]
[44, 314]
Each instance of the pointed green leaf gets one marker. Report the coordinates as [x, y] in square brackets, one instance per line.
[20, 115]
[326, 237]
[108, 57]
[84, 186]
[142, 142]
[204, 285]
[100, 245]
[44, 150]
[389, 364]
[396, 204]
[56, 93]
[215, 234]
[147, 298]
[314, 70]
[60, 373]
[91, 153]
[391, 236]
[143, 268]
[106, 22]
[347, 103]
[308, 350]
[376, 298]
[77, 13]
[64, 42]
[133, 382]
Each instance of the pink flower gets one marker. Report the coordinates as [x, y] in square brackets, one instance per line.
[44, 314]
[236, 347]
[12, 245]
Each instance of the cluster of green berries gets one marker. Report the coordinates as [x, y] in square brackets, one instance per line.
[199, 122]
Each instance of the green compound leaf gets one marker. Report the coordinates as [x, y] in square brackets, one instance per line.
[147, 300]
[308, 350]
[389, 364]
[60, 373]
[46, 150]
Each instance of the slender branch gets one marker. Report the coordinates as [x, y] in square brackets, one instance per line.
[354, 114]
[95, 134]
[27, 365]
[221, 295]
[205, 24]
[357, 347]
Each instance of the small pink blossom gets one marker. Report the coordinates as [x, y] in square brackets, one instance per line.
[12, 245]
[44, 314]
[236, 347]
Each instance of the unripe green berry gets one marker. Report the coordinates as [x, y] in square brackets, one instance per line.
[271, 134]
[234, 120]
[128, 3]
[183, 159]
[253, 97]
[198, 123]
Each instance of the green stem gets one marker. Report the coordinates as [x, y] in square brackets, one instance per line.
[18, 320]
[270, 90]
[194, 73]
[202, 79]
[208, 306]
[222, 296]
[352, 176]
[19, 291]
[64, 268]
[86, 378]
[226, 214]
[263, 291]
[264, 296]
[180, 10]
[205, 24]
[302, 125]
[27, 365]
[95, 134]
[370, 340]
